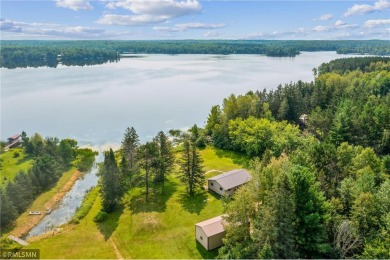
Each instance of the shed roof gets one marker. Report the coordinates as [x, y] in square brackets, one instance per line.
[232, 178]
[212, 226]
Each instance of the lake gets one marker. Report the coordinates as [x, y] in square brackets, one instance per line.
[95, 104]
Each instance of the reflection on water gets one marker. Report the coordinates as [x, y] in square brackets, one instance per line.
[95, 104]
[69, 204]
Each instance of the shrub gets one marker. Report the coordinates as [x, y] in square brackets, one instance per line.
[100, 216]
[16, 154]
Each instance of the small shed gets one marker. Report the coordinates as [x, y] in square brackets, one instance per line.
[209, 233]
[226, 183]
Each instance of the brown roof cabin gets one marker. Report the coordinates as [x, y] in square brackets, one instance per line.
[209, 233]
[12, 141]
[226, 183]
[13, 138]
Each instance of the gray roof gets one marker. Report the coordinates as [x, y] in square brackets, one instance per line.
[212, 226]
[232, 179]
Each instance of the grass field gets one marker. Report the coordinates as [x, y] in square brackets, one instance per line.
[11, 165]
[162, 227]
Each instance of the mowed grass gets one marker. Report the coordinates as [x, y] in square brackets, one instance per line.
[83, 240]
[161, 227]
[11, 165]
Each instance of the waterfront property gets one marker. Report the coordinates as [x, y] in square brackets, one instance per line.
[226, 183]
[209, 233]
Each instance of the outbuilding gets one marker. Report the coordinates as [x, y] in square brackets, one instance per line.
[209, 233]
[226, 183]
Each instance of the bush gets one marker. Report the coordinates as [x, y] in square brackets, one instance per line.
[16, 154]
[100, 216]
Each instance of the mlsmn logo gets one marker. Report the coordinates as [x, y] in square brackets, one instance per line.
[19, 254]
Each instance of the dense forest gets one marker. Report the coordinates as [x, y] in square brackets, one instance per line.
[321, 185]
[51, 158]
[16, 54]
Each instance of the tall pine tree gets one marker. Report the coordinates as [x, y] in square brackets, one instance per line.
[111, 189]
[191, 169]
[130, 144]
[165, 158]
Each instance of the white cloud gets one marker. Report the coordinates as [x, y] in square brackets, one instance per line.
[189, 26]
[130, 20]
[57, 31]
[75, 5]
[149, 11]
[376, 23]
[339, 23]
[324, 17]
[381, 5]
[321, 28]
[212, 34]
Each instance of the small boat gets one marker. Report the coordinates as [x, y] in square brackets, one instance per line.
[34, 213]
[48, 210]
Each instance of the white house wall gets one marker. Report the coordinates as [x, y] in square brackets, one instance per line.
[214, 186]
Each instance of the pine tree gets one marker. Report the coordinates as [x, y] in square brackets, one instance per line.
[165, 159]
[8, 212]
[130, 144]
[111, 189]
[191, 168]
[147, 155]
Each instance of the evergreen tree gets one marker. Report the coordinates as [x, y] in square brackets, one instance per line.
[130, 143]
[165, 158]
[111, 189]
[147, 155]
[8, 212]
[310, 213]
[191, 172]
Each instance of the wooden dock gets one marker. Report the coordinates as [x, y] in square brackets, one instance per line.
[18, 240]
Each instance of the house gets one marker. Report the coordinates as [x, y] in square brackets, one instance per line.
[12, 141]
[14, 138]
[226, 183]
[209, 233]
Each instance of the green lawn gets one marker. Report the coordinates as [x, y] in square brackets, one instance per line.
[162, 227]
[11, 165]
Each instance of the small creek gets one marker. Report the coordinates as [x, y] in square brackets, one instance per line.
[69, 204]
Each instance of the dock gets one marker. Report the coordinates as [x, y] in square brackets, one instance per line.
[18, 240]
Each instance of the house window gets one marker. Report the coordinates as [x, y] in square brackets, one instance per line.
[212, 184]
[201, 238]
[220, 188]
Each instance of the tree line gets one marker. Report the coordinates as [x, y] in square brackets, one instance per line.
[16, 54]
[51, 158]
[148, 166]
[320, 184]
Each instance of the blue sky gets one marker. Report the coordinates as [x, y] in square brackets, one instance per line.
[194, 19]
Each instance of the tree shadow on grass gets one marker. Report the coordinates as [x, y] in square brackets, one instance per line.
[204, 253]
[109, 225]
[24, 159]
[157, 201]
[237, 158]
[195, 203]
[215, 195]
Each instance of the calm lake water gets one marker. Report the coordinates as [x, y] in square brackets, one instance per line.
[95, 104]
